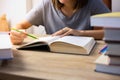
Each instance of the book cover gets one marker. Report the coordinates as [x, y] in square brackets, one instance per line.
[66, 44]
[114, 60]
[113, 53]
[113, 48]
[106, 20]
[5, 46]
[102, 65]
[111, 34]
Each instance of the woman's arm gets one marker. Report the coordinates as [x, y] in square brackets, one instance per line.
[17, 37]
[24, 24]
[97, 34]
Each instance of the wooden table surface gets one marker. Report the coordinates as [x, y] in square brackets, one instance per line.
[39, 65]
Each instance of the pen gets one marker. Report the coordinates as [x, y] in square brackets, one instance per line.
[25, 33]
[104, 50]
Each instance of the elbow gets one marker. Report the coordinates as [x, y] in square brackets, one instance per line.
[99, 35]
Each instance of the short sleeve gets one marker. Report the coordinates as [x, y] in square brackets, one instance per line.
[34, 16]
[98, 6]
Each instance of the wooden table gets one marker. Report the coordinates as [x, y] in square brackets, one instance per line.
[39, 65]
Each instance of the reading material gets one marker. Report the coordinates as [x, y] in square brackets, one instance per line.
[112, 34]
[102, 65]
[66, 44]
[5, 46]
[113, 48]
[107, 20]
[114, 60]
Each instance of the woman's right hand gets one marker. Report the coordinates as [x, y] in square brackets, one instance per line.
[17, 37]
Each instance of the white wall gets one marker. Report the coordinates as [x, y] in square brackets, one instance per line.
[115, 5]
[15, 9]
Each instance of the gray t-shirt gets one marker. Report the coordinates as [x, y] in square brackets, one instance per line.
[53, 20]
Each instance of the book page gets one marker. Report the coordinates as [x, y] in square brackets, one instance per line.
[75, 40]
[83, 44]
[49, 39]
[80, 45]
[43, 40]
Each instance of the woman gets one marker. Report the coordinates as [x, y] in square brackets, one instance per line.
[63, 17]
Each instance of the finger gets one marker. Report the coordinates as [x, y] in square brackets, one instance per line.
[16, 40]
[17, 34]
[69, 32]
[60, 32]
[14, 33]
[66, 33]
[15, 37]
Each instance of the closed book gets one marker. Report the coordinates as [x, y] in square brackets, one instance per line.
[66, 44]
[102, 65]
[114, 60]
[106, 20]
[5, 46]
[112, 34]
[113, 46]
[113, 53]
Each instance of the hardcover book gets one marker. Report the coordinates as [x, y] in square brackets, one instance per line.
[66, 44]
[106, 20]
[5, 46]
[102, 65]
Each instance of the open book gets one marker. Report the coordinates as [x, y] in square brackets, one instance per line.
[66, 44]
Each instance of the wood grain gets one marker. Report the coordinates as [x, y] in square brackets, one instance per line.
[38, 65]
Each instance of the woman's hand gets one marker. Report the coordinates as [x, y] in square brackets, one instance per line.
[17, 37]
[67, 31]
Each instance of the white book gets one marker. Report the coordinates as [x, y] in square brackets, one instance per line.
[5, 46]
[66, 44]
[106, 20]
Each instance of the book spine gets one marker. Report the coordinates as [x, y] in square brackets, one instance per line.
[112, 34]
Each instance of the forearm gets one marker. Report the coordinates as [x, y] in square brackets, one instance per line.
[23, 25]
[97, 34]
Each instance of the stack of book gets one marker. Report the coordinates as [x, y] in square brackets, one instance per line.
[5, 47]
[109, 62]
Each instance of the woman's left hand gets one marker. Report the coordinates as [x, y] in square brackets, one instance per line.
[66, 31]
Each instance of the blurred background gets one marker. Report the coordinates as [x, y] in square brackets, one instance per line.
[15, 10]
